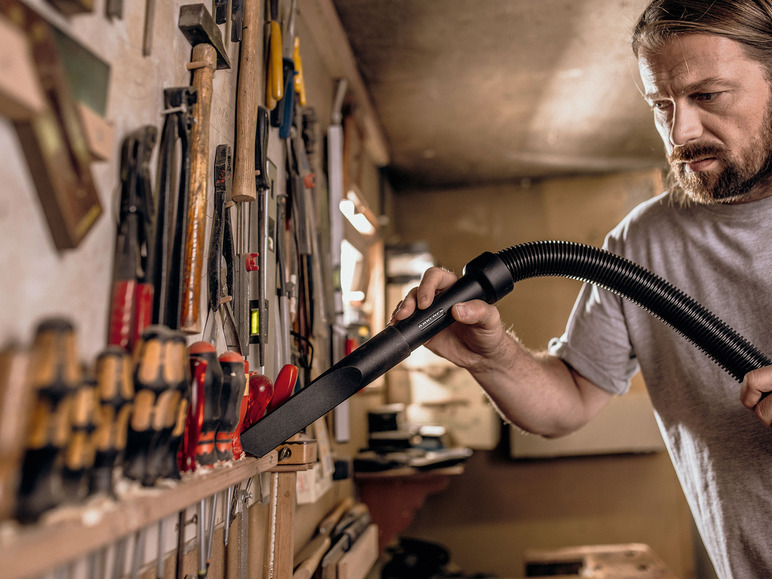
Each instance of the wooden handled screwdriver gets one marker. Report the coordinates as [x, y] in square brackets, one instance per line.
[159, 381]
[79, 450]
[56, 374]
[115, 394]
[168, 419]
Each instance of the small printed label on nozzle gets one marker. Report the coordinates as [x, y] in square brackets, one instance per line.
[439, 314]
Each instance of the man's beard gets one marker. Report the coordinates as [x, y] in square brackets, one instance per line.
[742, 179]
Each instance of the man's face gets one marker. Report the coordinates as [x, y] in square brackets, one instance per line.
[713, 110]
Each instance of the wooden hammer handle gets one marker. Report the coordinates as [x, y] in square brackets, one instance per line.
[203, 62]
[246, 107]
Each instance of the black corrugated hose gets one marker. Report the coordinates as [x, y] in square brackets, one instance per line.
[658, 297]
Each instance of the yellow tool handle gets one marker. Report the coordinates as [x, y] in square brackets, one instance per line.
[275, 89]
[300, 83]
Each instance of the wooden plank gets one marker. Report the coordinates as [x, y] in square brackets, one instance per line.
[100, 133]
[280, 546]
[71, 533]
[21, 96]
[360, 558]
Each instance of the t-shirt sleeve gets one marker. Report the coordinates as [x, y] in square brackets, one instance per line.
[596, 343]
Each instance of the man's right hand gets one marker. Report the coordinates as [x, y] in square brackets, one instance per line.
[474, 341]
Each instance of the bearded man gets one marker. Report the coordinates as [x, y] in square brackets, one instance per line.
[706, 70]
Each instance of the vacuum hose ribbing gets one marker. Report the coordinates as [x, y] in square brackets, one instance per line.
[658, 297]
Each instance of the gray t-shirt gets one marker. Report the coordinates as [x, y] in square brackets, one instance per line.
[722, 257]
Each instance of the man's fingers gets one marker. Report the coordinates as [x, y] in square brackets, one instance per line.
[405, 307]
[434, 280]
[754, 393]
[476, 312]
[755, 385]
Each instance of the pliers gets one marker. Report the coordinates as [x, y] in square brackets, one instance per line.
[222, 249]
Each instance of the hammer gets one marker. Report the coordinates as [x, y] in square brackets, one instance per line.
[198, 26]
[244, 170]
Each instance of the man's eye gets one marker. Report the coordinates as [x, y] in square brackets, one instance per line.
[659, 105]
[706, 96]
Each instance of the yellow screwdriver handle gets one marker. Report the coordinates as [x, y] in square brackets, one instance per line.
[276, 73]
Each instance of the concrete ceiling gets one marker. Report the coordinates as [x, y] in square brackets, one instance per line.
[485, 91]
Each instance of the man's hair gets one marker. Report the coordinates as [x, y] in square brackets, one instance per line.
[746, 21]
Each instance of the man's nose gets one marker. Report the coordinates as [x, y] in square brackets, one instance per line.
[685, 125]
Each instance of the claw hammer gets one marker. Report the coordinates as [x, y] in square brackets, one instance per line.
[198, 26]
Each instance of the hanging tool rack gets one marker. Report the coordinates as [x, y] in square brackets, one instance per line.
[119, 219]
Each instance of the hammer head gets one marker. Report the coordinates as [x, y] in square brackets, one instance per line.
[198, 26]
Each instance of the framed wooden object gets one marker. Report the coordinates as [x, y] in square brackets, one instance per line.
[53, 140]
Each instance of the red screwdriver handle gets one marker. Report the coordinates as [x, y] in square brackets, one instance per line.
[261, 391]
[195, 419]
[285, 383]
[233, 385]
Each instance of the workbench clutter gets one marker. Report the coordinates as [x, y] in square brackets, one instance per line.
[394, 443]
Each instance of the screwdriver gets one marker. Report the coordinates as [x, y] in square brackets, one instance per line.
[56, 375]
[259, 393]
[263, 392]
[284, 385]
[159, 378]
[213, 383]
[233, 384]
[114, 393]
[79, 450]
[195, 415]
[169, 421]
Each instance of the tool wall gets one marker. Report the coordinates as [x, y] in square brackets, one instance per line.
[168, 275]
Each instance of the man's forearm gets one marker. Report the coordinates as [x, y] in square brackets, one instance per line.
[538, 392]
